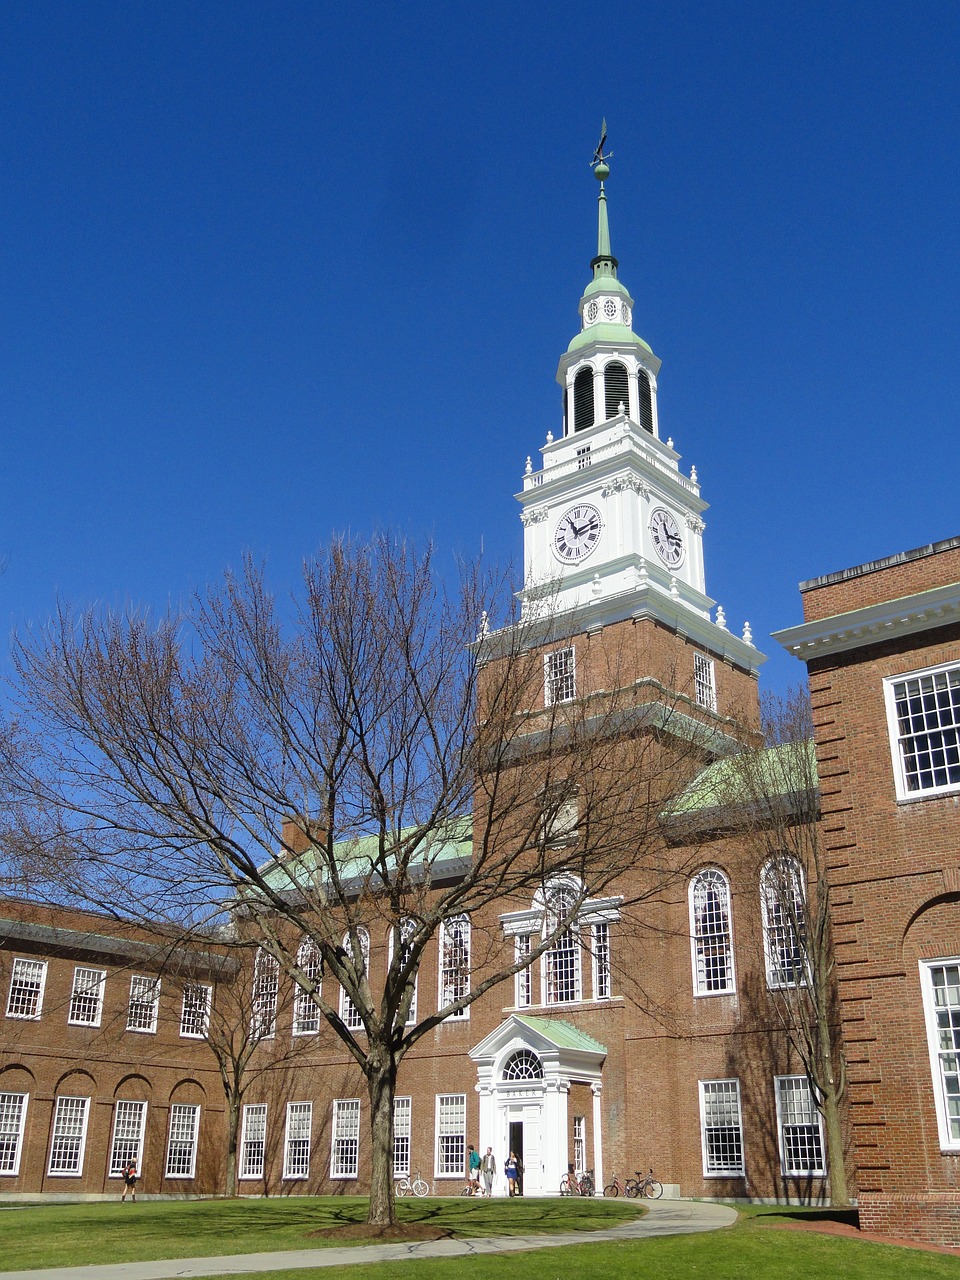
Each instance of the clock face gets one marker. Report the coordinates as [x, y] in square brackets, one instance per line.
[667, 538]
[578, 532]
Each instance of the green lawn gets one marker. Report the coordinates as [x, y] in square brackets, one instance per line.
[73, 1234]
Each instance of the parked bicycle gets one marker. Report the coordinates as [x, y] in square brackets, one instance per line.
[571, 1185]
[645, 1185]
[416, 1187]
[618, 1188]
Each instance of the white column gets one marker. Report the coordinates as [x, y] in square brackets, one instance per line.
[595, 1089]
[553, 1134]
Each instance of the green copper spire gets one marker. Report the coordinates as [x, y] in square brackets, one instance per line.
[604, 264]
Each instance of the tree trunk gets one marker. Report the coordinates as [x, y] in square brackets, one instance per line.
[836, 1156]
[381, 1085]
[233, 1132]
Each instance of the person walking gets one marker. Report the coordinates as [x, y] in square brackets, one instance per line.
[473, 1166]
[510, 1169]
[488, 1167]
[129, 1175]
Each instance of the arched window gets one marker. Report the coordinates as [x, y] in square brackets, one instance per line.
[306, 1014]
[583, 399]
[348, 1011]
[561, 964]
[710, 929]
[266, 981]
[407, 930]
[455, 962]
[616, 389]
[783, 910]
[523, 1065]
[644, 401]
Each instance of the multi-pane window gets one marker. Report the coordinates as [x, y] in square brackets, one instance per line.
[13, 1115]
[579, 1144]
[26, 988]
[407, 929]
[523, 979]
[348, 1010]
[69, 1137]
[253, 1140]
[144, 1003]
[704, 686]
[266, 982]
[451, 1134]
[559, 676]
[601, 961]
[455, 963]
[801, 1132]
[523, 1065]
[126, 1148]
[296, 1151]
[561, 963]
[344, 1154]
[195, 1014]
[86, 998]
[306, 1013]
[721, 1128]
[923, 712]
[941, 999]
[710, 930]
[784, 922]
[182, 1142]
[402, 1116]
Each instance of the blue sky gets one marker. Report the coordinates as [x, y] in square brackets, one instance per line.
[274, 271]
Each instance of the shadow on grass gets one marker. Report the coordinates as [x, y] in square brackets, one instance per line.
[848, 1217]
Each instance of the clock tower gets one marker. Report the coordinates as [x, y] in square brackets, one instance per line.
[612, 527]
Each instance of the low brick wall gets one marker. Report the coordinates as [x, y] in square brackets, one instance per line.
[932, 1217]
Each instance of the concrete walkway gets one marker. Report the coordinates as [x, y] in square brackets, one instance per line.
[665, 1218]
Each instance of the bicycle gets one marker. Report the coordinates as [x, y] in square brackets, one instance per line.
[406, 1187]
[646, 1185]
[571, 1185]
[616, 1187]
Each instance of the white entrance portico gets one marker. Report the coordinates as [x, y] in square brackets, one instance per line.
[525, 1069]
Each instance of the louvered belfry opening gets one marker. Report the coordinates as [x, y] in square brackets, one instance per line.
[616, 389]
[583, 399]
[645, 400]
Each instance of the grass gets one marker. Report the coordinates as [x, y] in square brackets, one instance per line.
[65, 1235]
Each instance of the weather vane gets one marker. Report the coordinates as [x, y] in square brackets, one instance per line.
[599, 162]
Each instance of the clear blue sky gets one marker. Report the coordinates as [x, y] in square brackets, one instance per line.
[273, 271]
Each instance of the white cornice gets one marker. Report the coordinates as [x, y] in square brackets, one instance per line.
[889, 620]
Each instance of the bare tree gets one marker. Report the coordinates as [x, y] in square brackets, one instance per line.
[775, 793]
[308, 769]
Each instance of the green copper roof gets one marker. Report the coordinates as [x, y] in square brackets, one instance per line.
[356, 857]
[563, 1034]
[773, 773]
[617, 334]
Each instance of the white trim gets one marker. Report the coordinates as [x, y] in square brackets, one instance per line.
[304, 1109]
[402, 1129]
[27, 960]
[446, 994]
[185, 1143]
[305, 1007]
[409, 927]
[153, 1003]
[815, 1120]
[949, 1142]
[769, 895]
[62, 1112]
[204, 1011]
[18, 1135]
[904, 794]
[890, 619]
[446, 1172]
[350, 1015]
[89, 988]
[704, 1086]
[254, 1117]
[700, 988]
[116, 1166]
[345, 1108]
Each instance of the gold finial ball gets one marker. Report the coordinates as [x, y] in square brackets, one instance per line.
[601, 171]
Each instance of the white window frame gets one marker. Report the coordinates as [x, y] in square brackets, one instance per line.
[408, 927]
[701, 943]
[402, 1134]
[904, 792]
[704, 682]
[779, 930]
[453, 983]
[69, 1127]
[349, 1013]
[728, 1090]
[345, 1139]
[560, 676]
[86, 997]
[523, 978]
[253, 1142]
[144, 1007]
[266, 990]
[306, 1011]
[451, 1124]
[579, 1144]
[126, 1140]
[35, 985]
[191, 1007]
[564, 958]
[809, 1119]
[182, 1133]
[297, 1141]
[943, 1044]
[600, 961]
[13, 1124]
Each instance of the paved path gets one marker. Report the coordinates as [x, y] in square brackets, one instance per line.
[665, 1218]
